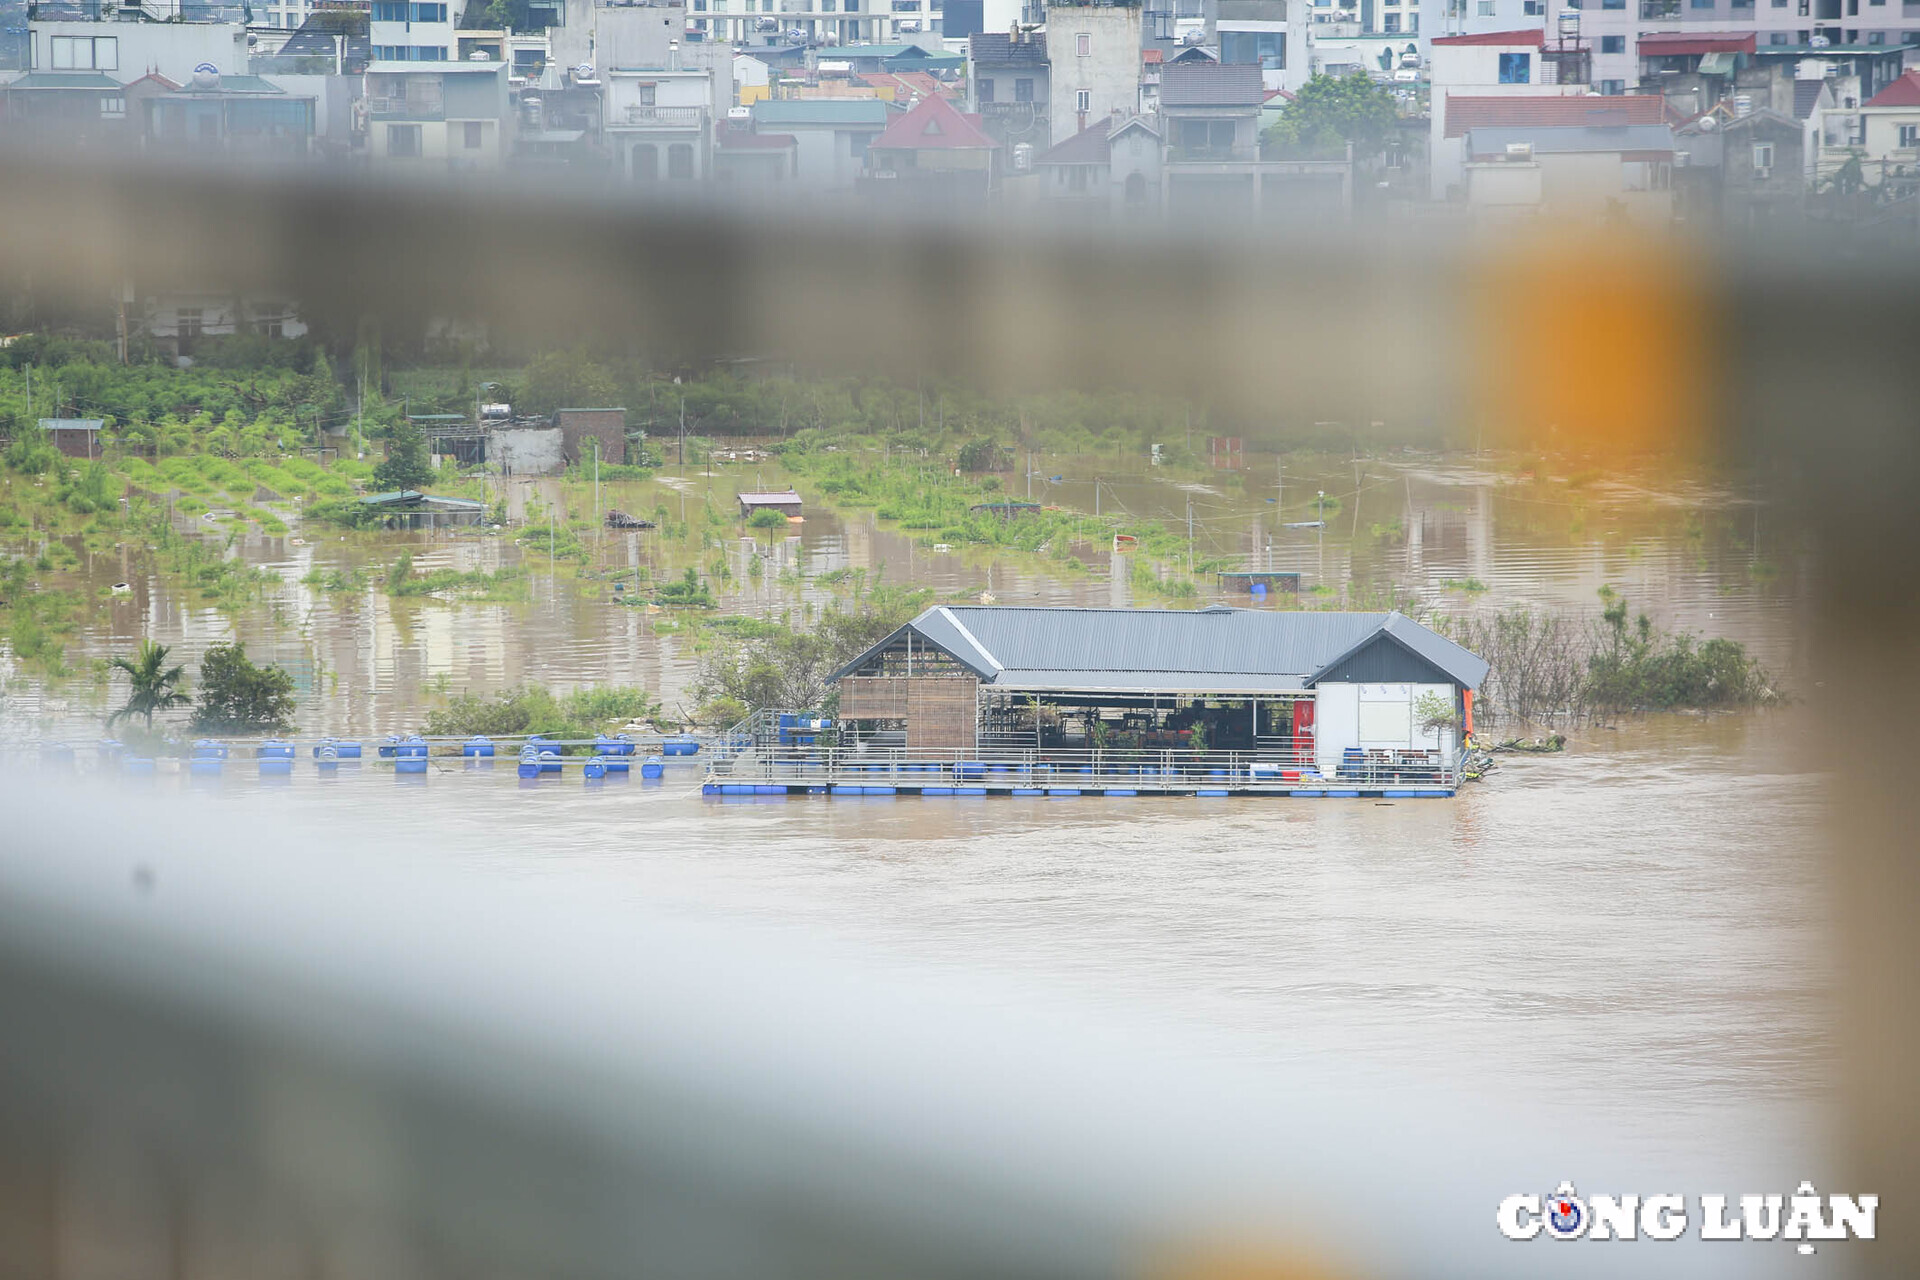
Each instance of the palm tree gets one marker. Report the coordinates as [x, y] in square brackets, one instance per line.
[154, 684]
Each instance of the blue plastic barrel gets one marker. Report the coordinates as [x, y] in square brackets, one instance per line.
[205, 766]
[389, 746]
[274, 749]
[110, 749]
[277, 766]
[530, 761]
[615, 744]
[549, 762]
[594, 769]
[209, 749]
[411, 747]
[137, 766]
[477, 747]
[342, 749]
[651, 767]
[410, 764]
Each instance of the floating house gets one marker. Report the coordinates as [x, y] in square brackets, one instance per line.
[411, 509]
[786, 502]
[1312, 692]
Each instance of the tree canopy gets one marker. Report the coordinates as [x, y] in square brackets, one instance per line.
[239, 696]
[1331, 111]
[406, 465]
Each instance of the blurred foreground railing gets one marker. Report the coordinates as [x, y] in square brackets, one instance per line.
[245, 1082]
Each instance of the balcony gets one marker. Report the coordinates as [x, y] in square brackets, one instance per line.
[417, 106]
[1651, 10]
[641, 116]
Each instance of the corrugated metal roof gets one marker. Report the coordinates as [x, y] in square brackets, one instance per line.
[1206, 650]
[1211, 84]
[65, 80]
[1466, 112]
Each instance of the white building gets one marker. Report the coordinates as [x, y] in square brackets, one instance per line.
[1095, 56]
[128, 50]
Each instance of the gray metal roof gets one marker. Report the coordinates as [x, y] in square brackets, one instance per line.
[1588, 139]
[868, 111]
[1211, 84]
[1217, 649]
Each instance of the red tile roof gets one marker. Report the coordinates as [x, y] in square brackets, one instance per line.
[1666, 44]
[934, 125]
[1904, 92]
[1152, 55]
[1539, 111]
[1535, 37]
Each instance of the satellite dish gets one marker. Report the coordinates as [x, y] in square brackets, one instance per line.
[206, 68]
[1708, 124]
[1820, 42]
[584, 71]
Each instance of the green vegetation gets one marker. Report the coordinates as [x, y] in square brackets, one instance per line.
[509, 583]
[238, 696]
[1328, 113]
[152, 685]
[532, 709]
[781, 667]
[1549, 666]
[406, 465]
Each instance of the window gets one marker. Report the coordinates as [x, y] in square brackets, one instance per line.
[1486, 8]
[1700, 4]
[403, 141]
[1083, 45]
[1763, 155]
[983, 90]
[1077, 177]
[1023, 89]
[1534, 8]
[190, 322]
[1516, 68]
[86, 53]
[401, 11]
[1876, 37]
[1612, 88]
[1083, 100]
[1910, 135]
[680, 161]
[1613, 44]
[1613, 4]
[1778, 37]
[1743, 4]
[476, 134]
[646, 163]
[1391, 24]
[1267, 48]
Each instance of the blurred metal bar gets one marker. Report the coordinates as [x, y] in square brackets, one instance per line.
[1792, 358]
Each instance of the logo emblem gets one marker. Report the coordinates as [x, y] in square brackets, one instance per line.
[1566, 1214]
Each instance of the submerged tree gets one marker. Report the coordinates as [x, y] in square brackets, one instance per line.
[406, 465]
[239, 696]
[153, 685]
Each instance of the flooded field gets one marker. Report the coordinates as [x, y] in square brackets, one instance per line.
[1454, 534]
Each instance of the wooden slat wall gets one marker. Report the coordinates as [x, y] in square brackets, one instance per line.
[873, 698]
[941, 712]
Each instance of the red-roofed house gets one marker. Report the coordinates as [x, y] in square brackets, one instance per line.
[1891, 122]
[937, 151]
[745, 159]
[1506, 63]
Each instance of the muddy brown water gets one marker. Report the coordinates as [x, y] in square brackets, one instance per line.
[1635, 923]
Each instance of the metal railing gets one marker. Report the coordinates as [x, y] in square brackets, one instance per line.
[1144, 769]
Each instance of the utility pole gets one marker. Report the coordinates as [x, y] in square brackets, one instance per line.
[1029, 475]
[683, 431]
[1189, 535]
[1096, 497]
[1320, 536]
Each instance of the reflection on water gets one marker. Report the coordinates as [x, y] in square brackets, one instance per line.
[1447, 534]
[1634, 925]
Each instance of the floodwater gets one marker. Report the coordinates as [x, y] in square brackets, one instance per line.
[1635, 924]
[1453, 534]
[1634, 927]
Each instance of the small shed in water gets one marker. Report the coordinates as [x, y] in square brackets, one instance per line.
[786, 502]
[411, 509]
